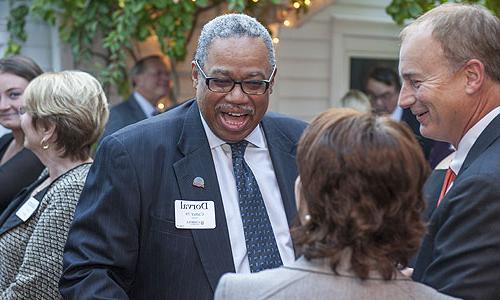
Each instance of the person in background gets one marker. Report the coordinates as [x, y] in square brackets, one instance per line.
[450, 65]
[382, 86]
[206, 188]
[150, 82]
[19, 167]
[63, 115]
[359, 195]
[356, 100]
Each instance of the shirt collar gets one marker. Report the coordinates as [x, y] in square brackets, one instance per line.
[145, 105]
[470, 138]
[397, 113]
[256, 137]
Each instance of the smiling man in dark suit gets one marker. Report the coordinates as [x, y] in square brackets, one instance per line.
[450, 65]
[174, 202]
[150, 81]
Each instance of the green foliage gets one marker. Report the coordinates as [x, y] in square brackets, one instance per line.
[401, 10]
[102, 32]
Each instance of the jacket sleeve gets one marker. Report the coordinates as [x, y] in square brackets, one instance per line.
[103, 242]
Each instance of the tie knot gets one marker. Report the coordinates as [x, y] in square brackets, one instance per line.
[238, 149]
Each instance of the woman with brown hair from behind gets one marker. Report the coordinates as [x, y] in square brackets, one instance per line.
[359, 195]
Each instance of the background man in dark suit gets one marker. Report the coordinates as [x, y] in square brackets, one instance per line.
[150, 81]
[382, 87]
[162, 216]
[450, 65]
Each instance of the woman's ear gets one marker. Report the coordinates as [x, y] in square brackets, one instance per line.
[48, 131]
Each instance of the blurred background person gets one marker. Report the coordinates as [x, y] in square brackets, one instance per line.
[19, 167]
[150, 82]
[382, 87]
[359, 195]
[356, 100]
[64, 114]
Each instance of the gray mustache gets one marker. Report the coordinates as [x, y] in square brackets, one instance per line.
[241, 108]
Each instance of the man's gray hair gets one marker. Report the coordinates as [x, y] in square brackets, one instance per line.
[229, 26]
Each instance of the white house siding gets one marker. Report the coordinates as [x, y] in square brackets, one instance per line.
[314, 59]
[303, 57]
[42, 44]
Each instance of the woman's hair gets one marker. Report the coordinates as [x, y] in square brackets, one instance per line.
[21, 66]
[75, 102]
[356, 100]
[361, 179]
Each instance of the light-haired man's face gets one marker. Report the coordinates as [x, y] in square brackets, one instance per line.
[153, 83]
[433, 92]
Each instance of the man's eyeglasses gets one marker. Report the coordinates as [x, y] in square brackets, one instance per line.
[385, 97]
[226, 85]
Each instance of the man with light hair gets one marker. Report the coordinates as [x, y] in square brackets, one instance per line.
[450, 64]
[150, 83]
[206, 188]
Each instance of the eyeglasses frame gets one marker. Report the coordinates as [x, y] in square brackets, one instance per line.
[235, 82]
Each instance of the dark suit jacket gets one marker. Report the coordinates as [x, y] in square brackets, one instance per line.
[411, 120]
[124, 243]
[19, 172]
[460, 254]
[123, 114]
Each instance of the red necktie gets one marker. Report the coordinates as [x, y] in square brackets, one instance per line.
[448, 179]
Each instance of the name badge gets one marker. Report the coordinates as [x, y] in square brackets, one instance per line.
[194, 214]
[27, 209]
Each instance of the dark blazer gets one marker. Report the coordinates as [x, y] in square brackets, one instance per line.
[19, 172]
[123, 114]
[124, 243]
[412, 121]
[459, 255]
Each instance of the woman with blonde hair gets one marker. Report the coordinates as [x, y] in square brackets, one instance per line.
[63, 115]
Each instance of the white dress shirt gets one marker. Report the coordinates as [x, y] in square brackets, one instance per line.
[469, 139]
[146, 106]
[258, 159]
[397, 114]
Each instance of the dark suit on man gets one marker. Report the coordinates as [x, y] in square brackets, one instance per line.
[123, 114]
[460, 254]
[124, 243]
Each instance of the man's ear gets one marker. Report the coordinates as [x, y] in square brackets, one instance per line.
[474, 74]
[194, 74]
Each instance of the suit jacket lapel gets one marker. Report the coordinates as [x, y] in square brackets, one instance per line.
[486, 138]
[136, 110]
[213, 245]
[282, 151]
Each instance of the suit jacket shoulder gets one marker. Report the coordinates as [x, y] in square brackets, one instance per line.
[315, 280]
[123, 114]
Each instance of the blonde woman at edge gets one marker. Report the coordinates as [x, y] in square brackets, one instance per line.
[64, 113]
